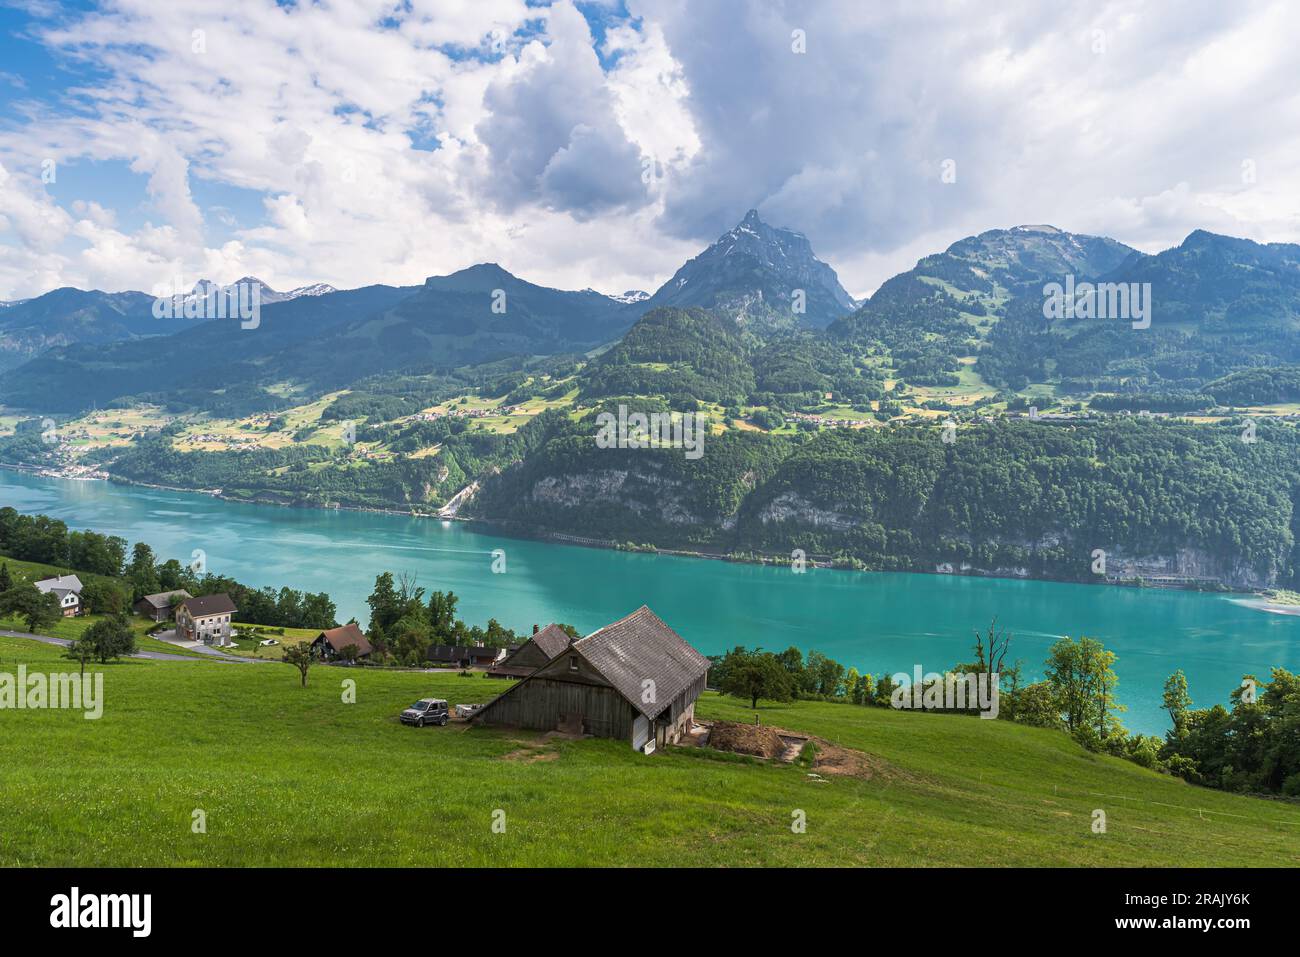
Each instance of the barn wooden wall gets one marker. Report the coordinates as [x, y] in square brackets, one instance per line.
[687, 698]
[537, 703]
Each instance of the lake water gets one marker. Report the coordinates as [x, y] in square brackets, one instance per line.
[878, 622]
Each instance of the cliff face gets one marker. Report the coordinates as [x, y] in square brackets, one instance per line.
[649, 497]
[1194, 564]
[791, 507]
[906, 502]
[647, 508]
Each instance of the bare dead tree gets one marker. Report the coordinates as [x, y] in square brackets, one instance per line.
[991, 653]
[407, 589]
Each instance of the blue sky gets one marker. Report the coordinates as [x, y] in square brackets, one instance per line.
[602, 143]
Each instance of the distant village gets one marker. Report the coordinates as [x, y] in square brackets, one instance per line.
[462, 413]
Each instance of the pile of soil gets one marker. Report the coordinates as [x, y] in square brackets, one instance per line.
[745, 739]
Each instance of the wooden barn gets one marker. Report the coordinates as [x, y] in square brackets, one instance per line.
[532, 654]
[635, 680]
[159, 606]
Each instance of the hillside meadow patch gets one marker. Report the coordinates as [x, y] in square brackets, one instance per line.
[284, 775]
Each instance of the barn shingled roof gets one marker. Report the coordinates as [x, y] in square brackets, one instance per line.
[640, 647]
[552, 640]
[163, 599]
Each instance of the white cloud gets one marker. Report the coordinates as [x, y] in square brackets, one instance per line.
[651, 98]
[551, 132]
[1142, 140]
[393, 141]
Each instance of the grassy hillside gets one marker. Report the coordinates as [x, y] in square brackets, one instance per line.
[294, 776]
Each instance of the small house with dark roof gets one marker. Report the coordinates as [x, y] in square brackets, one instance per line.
[537, 651]
[329, 644]
[67, 589]
[464, 656]
[635, 680]
[159, 606]
[206, 619]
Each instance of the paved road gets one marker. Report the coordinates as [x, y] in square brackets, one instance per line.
[209, 653]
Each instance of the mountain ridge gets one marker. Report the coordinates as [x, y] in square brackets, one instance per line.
[975, 306]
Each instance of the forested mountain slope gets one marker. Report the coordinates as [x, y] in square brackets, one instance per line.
[1022, 498]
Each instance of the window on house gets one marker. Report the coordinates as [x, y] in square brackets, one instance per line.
[573, 662]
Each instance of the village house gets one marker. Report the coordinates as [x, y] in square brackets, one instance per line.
[329, 644]
[465, 656]
[68, 590]
[635, 680]
[159, 606]
[206, 619]
[532, 654]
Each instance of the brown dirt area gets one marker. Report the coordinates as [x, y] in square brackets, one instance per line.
[536, 747]
[779, 744]
[833, 760]
[531, 755]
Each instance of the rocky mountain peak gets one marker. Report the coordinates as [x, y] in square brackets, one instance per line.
[764, 277]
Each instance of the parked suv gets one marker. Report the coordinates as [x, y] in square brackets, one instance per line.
[425, 711]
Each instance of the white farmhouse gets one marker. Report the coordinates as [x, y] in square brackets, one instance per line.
[68, 590]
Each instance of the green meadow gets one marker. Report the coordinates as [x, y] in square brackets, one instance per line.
[286, 775]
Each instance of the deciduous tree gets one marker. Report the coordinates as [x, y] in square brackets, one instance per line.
[301, 657]
[110, 638]
[37, 609]
[755, 675]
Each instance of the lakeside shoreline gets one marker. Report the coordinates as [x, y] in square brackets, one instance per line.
[1262, 603]
[512, 530]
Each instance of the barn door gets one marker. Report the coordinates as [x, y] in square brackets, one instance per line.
[640, 731]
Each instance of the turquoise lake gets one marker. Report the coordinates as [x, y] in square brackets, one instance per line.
[878, 622]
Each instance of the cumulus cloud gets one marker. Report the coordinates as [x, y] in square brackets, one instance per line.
[601, 145]
[551, 132]
[1119, 118]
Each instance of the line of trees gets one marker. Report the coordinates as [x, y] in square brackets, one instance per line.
[787, 675]
[39, 538]
[404, 624]
[1253, 745]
